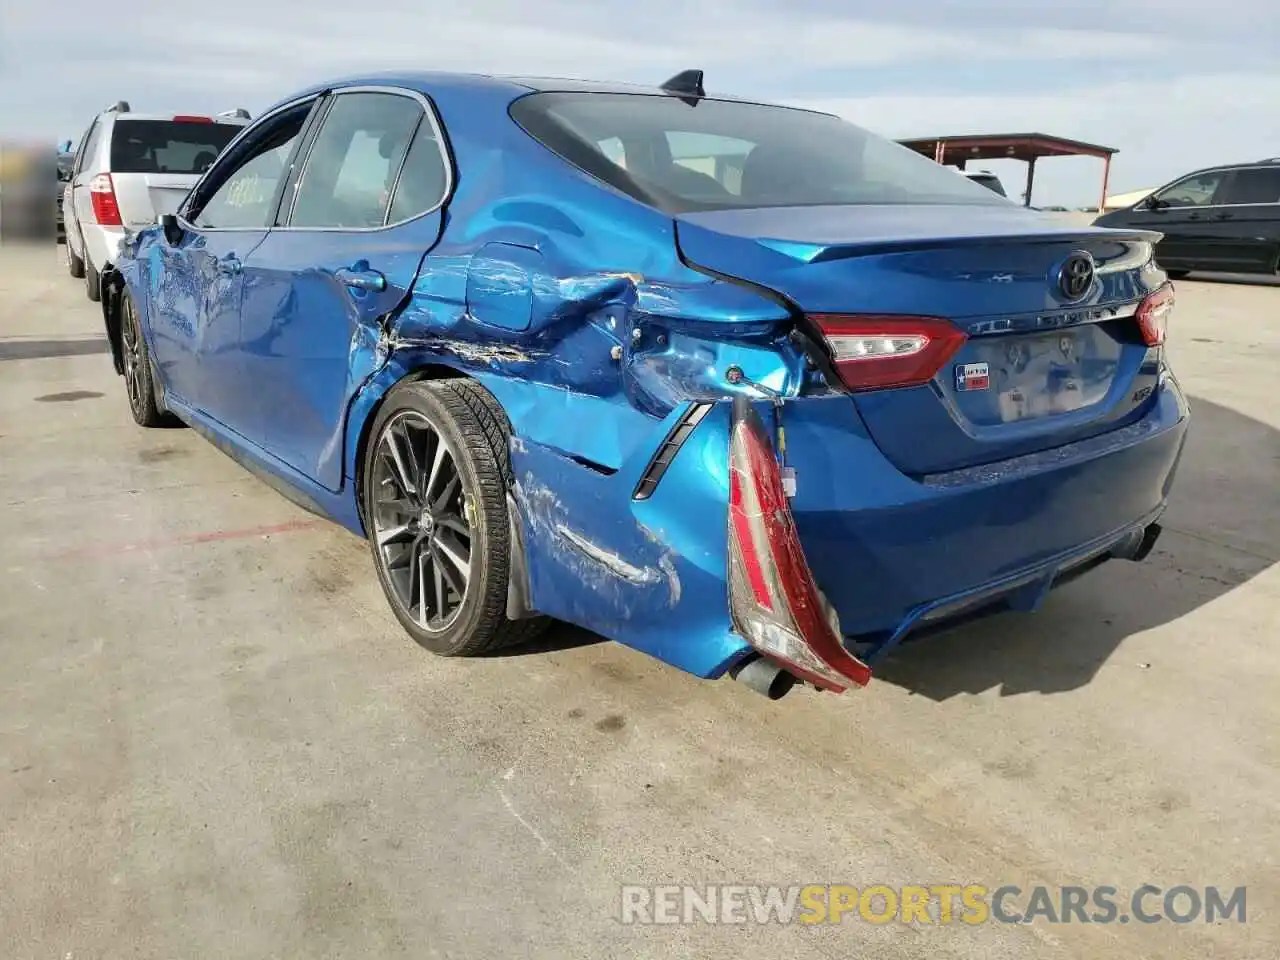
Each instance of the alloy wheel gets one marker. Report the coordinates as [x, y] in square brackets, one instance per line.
[422, 520]
[132, 354]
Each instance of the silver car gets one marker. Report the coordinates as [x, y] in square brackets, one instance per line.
[129, 170]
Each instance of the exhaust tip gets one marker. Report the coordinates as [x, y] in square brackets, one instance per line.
[764, 677]
[1139, 544]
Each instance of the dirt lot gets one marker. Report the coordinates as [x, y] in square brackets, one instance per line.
[216, 742]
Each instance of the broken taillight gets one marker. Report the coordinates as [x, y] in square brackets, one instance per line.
[1153, 315]
[876, 352]
[775, 602]
[102, 195]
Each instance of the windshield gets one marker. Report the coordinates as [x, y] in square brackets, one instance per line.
[684, 156]
[168, 146]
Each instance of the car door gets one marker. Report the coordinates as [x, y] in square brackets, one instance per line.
[364, 213]
[1244, 229]
[195, 308]
[1183, 212]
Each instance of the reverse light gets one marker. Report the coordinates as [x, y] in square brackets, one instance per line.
[775, 602]
[876, 352]
[1153, 315]
[102, 195]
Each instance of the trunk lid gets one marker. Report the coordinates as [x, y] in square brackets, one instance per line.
[1037, 370]
[144, 197]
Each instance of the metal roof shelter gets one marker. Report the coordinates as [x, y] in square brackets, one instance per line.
[1028, 147]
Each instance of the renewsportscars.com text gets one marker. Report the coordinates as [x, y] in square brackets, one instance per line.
[970, 904]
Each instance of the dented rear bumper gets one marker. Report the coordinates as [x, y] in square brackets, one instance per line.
[892, 554]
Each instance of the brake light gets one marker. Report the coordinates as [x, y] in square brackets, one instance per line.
[775, 602]
[1153, 315]
[184, 118]
[875, 352]
[102, 194]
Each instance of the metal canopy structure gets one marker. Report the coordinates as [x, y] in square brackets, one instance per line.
[1027, 147]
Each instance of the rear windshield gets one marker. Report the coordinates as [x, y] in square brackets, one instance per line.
[684, 156]
[167, 146]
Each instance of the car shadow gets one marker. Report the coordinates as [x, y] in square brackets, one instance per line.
[1222, 529]
[557, 636]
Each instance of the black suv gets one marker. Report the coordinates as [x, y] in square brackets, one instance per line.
[1223, 218]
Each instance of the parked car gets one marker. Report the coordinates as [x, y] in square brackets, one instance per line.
[1222, 218]
[65, 164]
[131, 168]
[494, 327]
[987, 179]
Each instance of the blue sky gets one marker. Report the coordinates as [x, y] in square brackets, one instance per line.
[1173, 84]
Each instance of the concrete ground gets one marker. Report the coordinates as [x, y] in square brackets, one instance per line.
[215, 741]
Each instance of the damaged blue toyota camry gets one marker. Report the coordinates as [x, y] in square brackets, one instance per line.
[744, 387]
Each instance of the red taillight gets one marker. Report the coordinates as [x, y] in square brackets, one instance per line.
[775, 602]
[874, 352]
[1153, 315]
[183, 118]
[102, 194]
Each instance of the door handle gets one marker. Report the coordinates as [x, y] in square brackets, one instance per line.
[1225, 216]
[230, 265]
[370, 281]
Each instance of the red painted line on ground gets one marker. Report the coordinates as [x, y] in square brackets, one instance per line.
[165, 543]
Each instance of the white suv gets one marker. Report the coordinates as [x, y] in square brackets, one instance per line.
[130, 169]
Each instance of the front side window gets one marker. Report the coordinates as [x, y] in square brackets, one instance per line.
[351, 170]
[720, 154]
[1195, 191]
[167, 146]
[1258, 185]
[245, 199]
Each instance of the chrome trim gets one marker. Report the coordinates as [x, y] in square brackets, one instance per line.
[428, 110]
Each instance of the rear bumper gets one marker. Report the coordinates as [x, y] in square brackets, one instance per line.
[892, 553]
[102, 244]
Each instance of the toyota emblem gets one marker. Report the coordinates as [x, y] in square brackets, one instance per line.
[1076, 276]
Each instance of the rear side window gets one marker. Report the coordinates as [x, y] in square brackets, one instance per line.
[423, 180]
[352, 167]
[89, 148]
[719, 154]
[1259, 185]
[167, 146]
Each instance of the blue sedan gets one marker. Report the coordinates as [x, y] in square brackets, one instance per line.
[741, 386]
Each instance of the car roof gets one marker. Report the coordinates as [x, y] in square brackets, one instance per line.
[510, 87]
[1241, 165]
[238, 121]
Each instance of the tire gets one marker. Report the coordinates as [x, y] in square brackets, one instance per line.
[75, 266]
[92, 282]
[139, 386]
[1177, 274]
[417, 547]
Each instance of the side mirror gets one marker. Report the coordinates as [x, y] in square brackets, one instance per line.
[1154, 204]
[173, 231]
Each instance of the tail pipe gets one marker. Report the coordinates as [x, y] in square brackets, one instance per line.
[1139, 544]
[764, 676]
